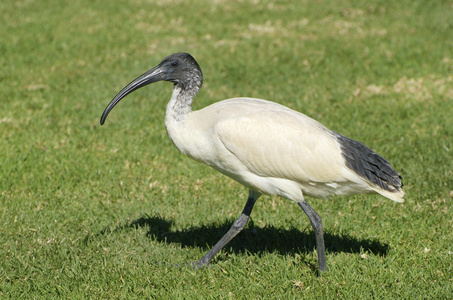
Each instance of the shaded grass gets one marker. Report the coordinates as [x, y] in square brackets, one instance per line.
[91, 212]
[254, 240]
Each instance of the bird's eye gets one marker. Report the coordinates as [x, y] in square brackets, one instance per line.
[174, 64]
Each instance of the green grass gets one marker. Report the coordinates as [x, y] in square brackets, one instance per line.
[105, 212]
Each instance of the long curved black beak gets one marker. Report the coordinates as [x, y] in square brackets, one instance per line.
[153, 75]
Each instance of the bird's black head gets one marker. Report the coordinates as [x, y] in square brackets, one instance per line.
[180, 68]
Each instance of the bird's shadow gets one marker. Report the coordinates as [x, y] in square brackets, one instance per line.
[253, 239]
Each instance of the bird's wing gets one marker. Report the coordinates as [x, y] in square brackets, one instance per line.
[282, 143]
[271, 140]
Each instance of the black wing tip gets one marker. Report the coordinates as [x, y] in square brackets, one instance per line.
[368, 164]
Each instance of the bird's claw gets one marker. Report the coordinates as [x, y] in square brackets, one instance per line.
[197, 264]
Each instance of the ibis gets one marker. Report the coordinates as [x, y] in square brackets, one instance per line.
[267, 147]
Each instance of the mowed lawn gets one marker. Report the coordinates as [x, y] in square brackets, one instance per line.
[109, 212]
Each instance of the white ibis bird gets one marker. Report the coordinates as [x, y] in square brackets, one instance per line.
[269, 148]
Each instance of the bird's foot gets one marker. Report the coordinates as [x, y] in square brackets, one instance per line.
[197, 264]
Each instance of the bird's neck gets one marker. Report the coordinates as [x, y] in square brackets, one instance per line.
[178, 108]
[181, 102]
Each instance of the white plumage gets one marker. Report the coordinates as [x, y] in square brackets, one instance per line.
[267, 147]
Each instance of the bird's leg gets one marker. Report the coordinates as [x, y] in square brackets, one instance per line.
[316, 222]
[237, 226]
